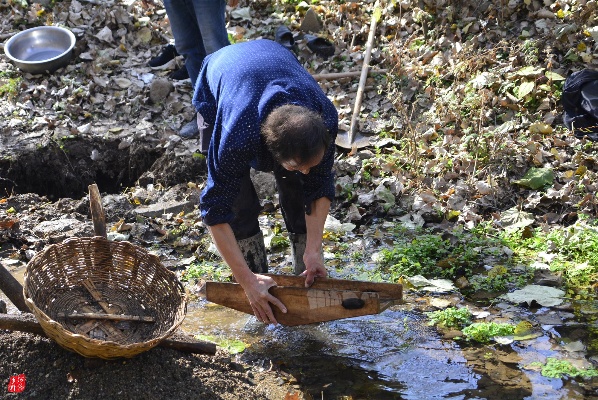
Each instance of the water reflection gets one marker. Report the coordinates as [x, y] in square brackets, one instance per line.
[392, 355]
[396, 355]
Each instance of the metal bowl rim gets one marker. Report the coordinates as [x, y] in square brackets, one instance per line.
[70, 34]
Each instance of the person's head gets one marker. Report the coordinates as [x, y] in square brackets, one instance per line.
[296, 137]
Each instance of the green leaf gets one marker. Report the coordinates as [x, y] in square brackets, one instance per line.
[233, 346]
[279, 242]
[525, 88]
[553, 76]
[377, 14]
[529, 71]
[536, 178]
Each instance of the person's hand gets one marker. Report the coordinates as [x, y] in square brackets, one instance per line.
[314, 266]
[257, 292]
[233, 3]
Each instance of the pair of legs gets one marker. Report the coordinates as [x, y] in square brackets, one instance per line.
[246, 226]
[199, 28]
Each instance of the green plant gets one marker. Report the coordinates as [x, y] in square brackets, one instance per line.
[279, 242]
[416, 44]
[574, 251]
[357, 256]
[8, 74]
[178, 231]
[451, 317]
[433, 256]
[418, 257]
[483, 332]
[560, 368]
[530, 51]
[10, 87]
[233, 346]
[500, 278]
[207, 271]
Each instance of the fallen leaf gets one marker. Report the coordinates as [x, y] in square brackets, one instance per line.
[514, 219]
[544, 295]
[536, 178]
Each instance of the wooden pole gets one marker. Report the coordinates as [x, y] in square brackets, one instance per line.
[97, 211]
[364, 75]
[12, 289]
[348, 74]
[28, 323]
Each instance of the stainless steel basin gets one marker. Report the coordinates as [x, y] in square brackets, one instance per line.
[41, 49]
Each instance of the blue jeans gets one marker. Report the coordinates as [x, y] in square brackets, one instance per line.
[199, 28]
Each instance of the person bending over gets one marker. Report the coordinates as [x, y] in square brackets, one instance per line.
[259, 108]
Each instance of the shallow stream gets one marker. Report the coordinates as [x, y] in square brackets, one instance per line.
[396, 355]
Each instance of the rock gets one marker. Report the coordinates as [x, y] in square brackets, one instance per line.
[547, 278]
[462, 283]
[159, 209]
[311, 22]
[451, 334]
[48, 228]
[432, 216]
[159, 90]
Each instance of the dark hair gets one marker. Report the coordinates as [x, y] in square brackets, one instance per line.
[295, 133]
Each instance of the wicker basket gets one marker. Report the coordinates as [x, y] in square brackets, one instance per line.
[91, 275]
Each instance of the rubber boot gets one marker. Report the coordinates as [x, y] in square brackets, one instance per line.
[298, 241]
[254, 252]
[190, 129]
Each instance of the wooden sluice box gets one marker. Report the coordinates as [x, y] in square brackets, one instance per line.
[325, 300]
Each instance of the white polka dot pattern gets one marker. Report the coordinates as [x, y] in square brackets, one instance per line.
[236, 89]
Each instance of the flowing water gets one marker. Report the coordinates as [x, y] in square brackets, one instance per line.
[396, 355]
[392, 355]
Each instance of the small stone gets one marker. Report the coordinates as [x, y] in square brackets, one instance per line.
[311, 22]
[159, 90]
[462, 283]
[452, 334]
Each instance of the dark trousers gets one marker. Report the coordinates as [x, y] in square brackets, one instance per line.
[247, 206]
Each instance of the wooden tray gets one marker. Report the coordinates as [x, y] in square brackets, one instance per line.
[326, 300]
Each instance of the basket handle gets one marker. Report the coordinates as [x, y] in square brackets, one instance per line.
[97, 211]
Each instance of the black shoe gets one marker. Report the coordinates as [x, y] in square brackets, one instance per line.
[319, 45]
[168, 53]
[180, 74]
[284, 36]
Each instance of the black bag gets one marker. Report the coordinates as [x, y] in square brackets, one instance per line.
[580, 102]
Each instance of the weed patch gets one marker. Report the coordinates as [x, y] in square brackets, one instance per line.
[483, 332]
[451, 317]
[10, 86]
[435, 256]
[561, 368]
[572, 251]
[207, 271]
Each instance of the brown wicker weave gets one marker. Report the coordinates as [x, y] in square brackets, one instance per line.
[94, 275]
